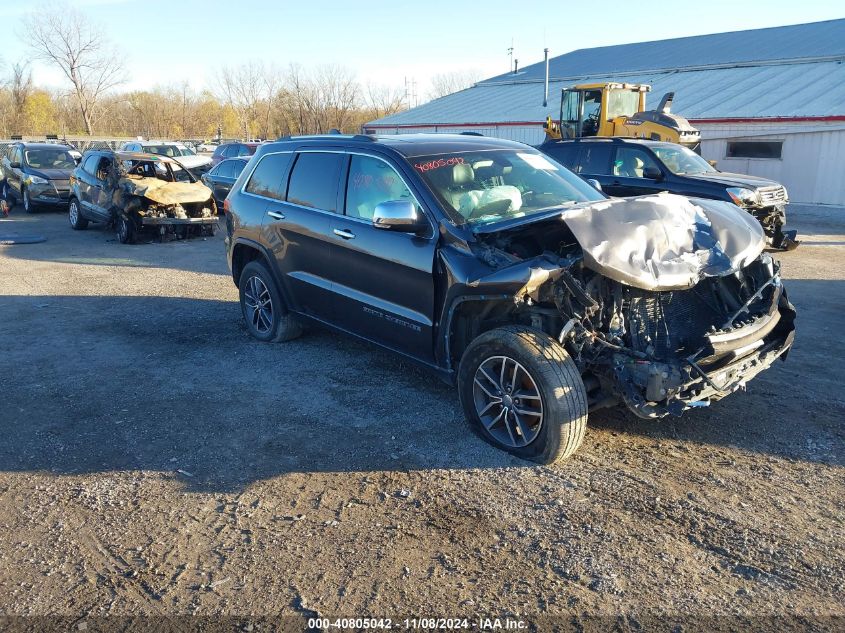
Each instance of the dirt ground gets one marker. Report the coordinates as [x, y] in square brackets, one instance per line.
[156, 462]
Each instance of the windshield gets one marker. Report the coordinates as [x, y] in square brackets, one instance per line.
[163, 171]
[162, 150]
[49, 159]
[486, 186]
[187, 151]
[682, 160]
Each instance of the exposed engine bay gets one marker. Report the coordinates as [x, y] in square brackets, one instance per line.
[664, 303]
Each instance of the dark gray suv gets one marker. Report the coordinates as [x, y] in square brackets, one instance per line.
[507, 274]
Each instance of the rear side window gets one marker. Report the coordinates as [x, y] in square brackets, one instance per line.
[90, 164]
[566, 155]
[314, 180]
[224, 169]
[595, 159]
[245, 150]
[268, 178]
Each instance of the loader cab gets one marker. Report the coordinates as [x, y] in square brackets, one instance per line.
[591, 109]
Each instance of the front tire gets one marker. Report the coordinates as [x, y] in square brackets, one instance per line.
[28, 207]
[125, 230]
[262, 306]
[74, 216]
[523, 393]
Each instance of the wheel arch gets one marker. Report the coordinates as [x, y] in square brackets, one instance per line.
[245, 251]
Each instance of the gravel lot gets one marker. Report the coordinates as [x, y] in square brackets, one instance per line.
[155, 461]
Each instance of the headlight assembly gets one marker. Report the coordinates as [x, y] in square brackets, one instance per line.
[743, 197]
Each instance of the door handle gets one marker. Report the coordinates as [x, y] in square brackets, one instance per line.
[276, 215]
[347, 235]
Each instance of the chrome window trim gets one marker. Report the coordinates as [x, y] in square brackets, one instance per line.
[342, 214]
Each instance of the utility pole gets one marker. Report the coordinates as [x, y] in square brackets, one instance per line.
[510, 57]
[411, 92]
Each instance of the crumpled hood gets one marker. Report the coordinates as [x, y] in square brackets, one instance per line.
[665, 241]
[164, 192]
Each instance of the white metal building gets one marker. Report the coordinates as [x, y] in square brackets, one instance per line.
[768, 102]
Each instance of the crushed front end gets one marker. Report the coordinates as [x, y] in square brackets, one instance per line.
[665, 304]
[685, 348]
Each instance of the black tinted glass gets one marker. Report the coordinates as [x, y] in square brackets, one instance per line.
[268, 178]
[237, 167]
[595, 159]
[566, 155]
[314, 181]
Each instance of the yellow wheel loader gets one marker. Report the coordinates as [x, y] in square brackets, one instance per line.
[617, 109]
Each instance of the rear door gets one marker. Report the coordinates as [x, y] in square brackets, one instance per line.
[629, 166]
[383, 280]
[85, 180]
[99, 191]
[220, 180]
[301, 191]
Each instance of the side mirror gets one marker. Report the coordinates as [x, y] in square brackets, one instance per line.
[15, 165]
[652, 173]
[595, 183]
[398, 215]
[712, 163]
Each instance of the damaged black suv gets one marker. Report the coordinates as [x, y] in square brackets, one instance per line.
[498, 268]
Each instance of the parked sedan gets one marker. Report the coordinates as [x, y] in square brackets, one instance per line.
[37, 174]
[635, 167]
[233, 150]
[221, 178]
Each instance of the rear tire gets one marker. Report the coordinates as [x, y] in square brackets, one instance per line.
[74, 216]
[125, 230]
[264, 312]
[541, 413]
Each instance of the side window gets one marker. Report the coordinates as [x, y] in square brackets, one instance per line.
[224, 169]
[595, 159]
[90, 164]
[243, 150]
[631, 162]
[103, 168]
[268, 179]
[18, 156]
[566, 154]
[237, 167]
[314, 180]
[229, 150]
[371, 182]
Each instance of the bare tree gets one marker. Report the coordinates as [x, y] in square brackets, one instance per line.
[244, 88]
[383, 100]
[65, 38]
[444, 84]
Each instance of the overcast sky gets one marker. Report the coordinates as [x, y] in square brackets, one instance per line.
[170, 41]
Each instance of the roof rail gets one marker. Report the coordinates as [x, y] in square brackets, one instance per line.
[331, 135]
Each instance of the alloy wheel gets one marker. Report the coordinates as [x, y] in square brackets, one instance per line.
[259, 305]
[507, 401]
[73, 213]
[26, 201]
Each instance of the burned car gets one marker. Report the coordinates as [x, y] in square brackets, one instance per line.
[135, 192]
[507, 274]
